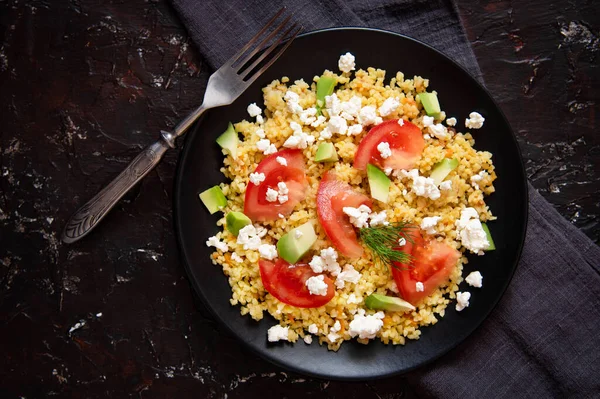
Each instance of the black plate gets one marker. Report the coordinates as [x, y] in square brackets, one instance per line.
[459, 95]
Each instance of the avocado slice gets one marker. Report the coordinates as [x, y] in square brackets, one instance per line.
[236, 221]
[442, 169]
[325, 86]
[488, 235]
[293, 245]
[430, 103]
[379, 183]
[213, 199]
[326, 153]
[229, 140]
[389, 303]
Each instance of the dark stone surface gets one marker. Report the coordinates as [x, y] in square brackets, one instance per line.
[85, 84]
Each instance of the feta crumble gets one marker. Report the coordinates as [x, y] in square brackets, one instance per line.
[298, 234]
[475, 179]
[368, 116]
[419, 287]
[446, 185]
[365, 327]
[257, 178]
[353, 299]
[401, 122]
[313, 329]
[333, 331]
[267, 251]
[272, 195]
[278, 333]
[259, 119]
[439, 131]
[281, 161]
[355, 130]
[327, 261]
[346, 63]
[260, 133]
[451, 121]
[378, 219]
[427, 121]
[462, 300]
[308, 116]
[384, 149]
[422, 186]
[402, 241]
[308, 339]
[249, 237]
[333, 105]
[254, 110]
[351, 108]
[359, 217]
[475, 279]
[292, 101]
[337, 124]
[299, 139]
[470, 231]
[236, 258]
[428, 224]
[389, 106]
[474, 121]
[265, 146]
[215, 242]
[316, 285]
[349, 274]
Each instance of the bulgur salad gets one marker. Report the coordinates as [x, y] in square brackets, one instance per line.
[351, 205]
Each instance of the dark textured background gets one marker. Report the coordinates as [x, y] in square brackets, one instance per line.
[85, 84]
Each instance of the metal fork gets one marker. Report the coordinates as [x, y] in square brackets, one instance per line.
[224, 86]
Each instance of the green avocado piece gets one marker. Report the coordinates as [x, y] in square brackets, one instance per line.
[229, 140]
[296, 243]
[389, 303]
[379, 183]
[213, 199]
[488, 235]
[442, 169]
[325, 86]
[236, 221]
[430, 103]
[326, 153]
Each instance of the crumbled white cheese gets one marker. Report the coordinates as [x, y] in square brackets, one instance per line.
[401, 122]
[446, 185]
[427, 121]
[419, 287]
[388, 171]
[428, 224]
[260, 133]
[281, 216]
[265, 146]
[325, 134]
[359, 217]
[254, 110]
[281, 161]
[313, 329]
[333, 105]
[267, 251]
[462, 300]
[384, 149]
[402, 241]
[333, 331]
[257, 178]
[236, 258]
[299, 139]
[297, 234]
[451, 121]
[474, 121]
[282, 199]
[278, 333]
[349, 274]
[346, 63]
[368, 116]
[353, 299]
[292, 101]
[426, 136]
[327, 261]
[308, 339]
[470, 231]
[317, 264]
[260, 231]
[378, 219]
[438, 130]
[475, 179]
[422, 186]
[249, 237]
[283, 191]
[272, 195]
[316, 285]
[308, 116]
[475, 279]
[389, 106]
[351, 108]
[394, 287]
[259, 119]
[319, 121]
[355, 130]
[366, 327]
[215, 242]
[337, 124]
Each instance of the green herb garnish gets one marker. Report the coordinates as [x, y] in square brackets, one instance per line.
[383, 243]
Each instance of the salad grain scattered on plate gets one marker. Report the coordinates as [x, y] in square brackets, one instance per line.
[351, 204]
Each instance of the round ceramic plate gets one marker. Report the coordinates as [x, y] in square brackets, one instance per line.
[459, 94]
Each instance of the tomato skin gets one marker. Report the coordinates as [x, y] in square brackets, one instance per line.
[406, 143]
[288, 283]
[432, 262]
[332, 196]
[256, 206]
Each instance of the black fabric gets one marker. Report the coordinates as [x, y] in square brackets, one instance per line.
[543, 338]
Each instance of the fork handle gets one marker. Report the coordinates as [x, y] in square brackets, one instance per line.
[89, 215]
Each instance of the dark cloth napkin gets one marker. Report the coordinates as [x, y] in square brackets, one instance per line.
[543, 339]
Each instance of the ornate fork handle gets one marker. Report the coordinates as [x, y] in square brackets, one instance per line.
[88, 216]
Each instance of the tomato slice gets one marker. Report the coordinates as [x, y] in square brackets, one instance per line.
[256, 206]
[288, 283]
[332, 196]
[406, 143]
[432, 262]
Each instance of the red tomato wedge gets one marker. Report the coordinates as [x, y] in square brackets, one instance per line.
[288, 283]
[432, 262]
[332, 196]
[406, 143]
[256, 206]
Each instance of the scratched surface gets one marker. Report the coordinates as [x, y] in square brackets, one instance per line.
[85, 84]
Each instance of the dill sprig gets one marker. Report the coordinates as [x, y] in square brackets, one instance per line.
[383, 243]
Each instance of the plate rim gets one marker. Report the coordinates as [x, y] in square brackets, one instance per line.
[178, 181]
